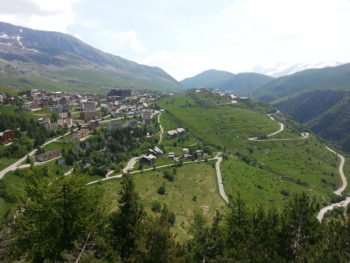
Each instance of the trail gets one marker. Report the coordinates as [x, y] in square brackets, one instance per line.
[161, 129]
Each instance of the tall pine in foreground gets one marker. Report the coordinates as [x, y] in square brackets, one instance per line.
[127, 222]
[57, 213]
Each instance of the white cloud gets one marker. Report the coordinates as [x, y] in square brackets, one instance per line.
[130, 40]
[39, 14]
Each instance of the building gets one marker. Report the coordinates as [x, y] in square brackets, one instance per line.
[175, 133]
[89, 115]
[48, 155]
[93, 124]
[7, 136]
[79, 135]
[114, 126]
[171, 155]
[31, 106]
[155, 151]
[148, 159]
[51, 126]
[122, 93]
[65, 122]
[62, 115]
[88, 106]
[132, 123]
[59, 108]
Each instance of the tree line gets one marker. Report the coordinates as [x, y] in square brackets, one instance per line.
[63, 220]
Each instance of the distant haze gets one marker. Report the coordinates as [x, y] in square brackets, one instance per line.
[187, 37]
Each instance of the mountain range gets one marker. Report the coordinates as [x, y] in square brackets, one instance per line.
[51, 60]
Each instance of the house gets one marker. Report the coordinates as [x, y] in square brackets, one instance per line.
[31, 106]
[79, 135]
[186, 151]
[155, 151]
[7, 136]
[149, 159]
[171, 155]
[114, 125]
[199, 154]
[132, 123]
[89, 115]
[59, 108]
[175, 133]
[43, 121]
[48, 155]
[146, 122]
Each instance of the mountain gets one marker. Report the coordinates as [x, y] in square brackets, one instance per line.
[242, 84]
[206, 79]
[31, 58]
[325, 112]
[332, 78]
[283, 69]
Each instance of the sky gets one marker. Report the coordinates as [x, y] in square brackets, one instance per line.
[186, 37]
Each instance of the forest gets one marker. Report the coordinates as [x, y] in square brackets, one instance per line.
[60, 219]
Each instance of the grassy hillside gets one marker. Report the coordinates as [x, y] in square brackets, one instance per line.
[266, 173]
[326, 113]
[243, 84]
[333, 78]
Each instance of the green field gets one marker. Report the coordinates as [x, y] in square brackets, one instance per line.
[191, 180]
[264, 173]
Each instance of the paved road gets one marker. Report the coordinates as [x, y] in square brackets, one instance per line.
[161, 129]
[218, 175]
[339, 191]
[15, 165]
[131, 163]
[341, 172]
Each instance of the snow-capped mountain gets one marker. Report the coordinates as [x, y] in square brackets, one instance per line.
[283, 69]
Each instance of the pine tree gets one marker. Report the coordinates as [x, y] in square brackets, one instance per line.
[127, 221]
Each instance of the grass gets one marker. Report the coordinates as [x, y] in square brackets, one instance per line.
[4, 162]
[264, 173]
[191, 180]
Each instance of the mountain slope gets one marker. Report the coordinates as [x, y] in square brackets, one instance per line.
[206, 79]
[242, 84]
[333, 78]
[56, 58]
[325, 112]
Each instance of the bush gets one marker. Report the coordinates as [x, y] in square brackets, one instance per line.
[161, 190]
[168, 176]
[156, 207]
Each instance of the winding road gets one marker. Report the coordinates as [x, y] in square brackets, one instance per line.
[305, 135]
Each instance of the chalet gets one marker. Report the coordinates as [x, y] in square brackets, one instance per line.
[171, 155]
[199, 154]
[79, 135]
[175, 133]
[48, 155]
[155, 151]
[149, 159]
[7, 136]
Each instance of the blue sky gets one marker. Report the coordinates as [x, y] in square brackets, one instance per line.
[187, 37]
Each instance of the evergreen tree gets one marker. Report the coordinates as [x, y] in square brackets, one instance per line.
[127, 221]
